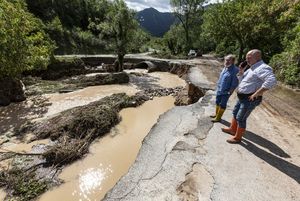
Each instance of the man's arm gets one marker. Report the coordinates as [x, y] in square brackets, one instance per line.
[241, 74]
[269, 79]
[234, 83]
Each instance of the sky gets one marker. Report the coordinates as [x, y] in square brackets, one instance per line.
[161, 5]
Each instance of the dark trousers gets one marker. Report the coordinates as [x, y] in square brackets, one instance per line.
[221, 100]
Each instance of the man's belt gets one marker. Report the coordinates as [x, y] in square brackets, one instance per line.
[244, 96]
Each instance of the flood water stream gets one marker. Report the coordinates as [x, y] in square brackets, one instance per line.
[61, 102]
[109, 157]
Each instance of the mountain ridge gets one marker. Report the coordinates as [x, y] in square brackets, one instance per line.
[155, 22]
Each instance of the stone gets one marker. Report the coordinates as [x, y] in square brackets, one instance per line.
[11, 90]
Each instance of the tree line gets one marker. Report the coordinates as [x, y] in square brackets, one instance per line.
[33, 31]
[236, 26]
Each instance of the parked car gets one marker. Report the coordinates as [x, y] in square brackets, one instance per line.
[194, 53]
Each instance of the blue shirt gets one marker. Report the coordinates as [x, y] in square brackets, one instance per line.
[259, 75]
[228, 80]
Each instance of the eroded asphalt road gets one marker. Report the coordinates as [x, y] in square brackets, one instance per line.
[186, 157]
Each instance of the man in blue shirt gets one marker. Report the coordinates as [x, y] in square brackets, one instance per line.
[252, 84]
[226, 85]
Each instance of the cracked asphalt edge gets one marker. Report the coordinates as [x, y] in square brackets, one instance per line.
[160, 169]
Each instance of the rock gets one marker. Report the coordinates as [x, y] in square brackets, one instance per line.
[11, 90]
[159, 92]
[182, 98]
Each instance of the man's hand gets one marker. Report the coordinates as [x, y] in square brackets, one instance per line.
[253, 96]
[241, 71]
[259, 92]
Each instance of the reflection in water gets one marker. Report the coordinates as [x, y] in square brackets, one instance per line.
[116, 152]
[90, 181]
[111, 156]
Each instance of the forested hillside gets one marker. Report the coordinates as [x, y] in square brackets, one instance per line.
[236, 26]
[74, 25]
[35, 30]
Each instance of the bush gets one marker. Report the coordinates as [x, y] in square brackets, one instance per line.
[286, 69]
[24, 45]
[287, 64]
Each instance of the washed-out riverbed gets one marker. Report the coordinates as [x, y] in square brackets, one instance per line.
[110, 156]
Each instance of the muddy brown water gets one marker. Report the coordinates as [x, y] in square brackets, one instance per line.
[111, 156]
[163, 79]
[22, 146]
[61, 102]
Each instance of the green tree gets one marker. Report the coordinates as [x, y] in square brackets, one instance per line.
[174, 39]
[119, 27]
[189, 12]
[287, 64]
[141, 41]
[247, 24]
[67, 23]
[23, 43]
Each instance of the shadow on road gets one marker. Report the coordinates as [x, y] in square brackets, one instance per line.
[252, 137]
[285, 167]
[249, 141]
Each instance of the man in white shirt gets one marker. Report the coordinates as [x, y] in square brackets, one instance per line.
[252, 84]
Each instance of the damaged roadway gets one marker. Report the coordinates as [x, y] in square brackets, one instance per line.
[186, 157]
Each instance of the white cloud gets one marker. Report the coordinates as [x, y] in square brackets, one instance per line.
[161, 5]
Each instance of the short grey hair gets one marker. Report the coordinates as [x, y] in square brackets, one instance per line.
[230, 56]
[256, 53]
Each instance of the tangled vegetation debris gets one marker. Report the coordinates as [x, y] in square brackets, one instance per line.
[73, 131]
